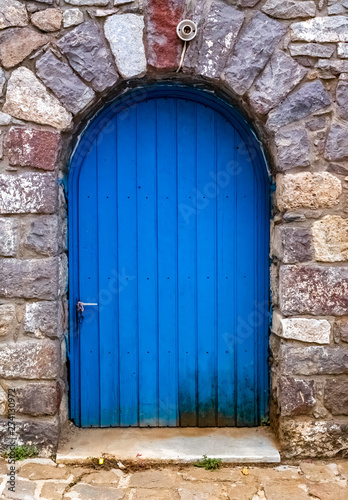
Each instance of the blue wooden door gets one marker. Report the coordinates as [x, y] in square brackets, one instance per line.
[169, 244]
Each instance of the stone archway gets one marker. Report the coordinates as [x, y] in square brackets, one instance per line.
[294, 90]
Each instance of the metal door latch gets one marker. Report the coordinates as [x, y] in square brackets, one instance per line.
[80, 307]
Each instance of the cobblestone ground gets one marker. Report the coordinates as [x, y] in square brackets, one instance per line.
[43, 479]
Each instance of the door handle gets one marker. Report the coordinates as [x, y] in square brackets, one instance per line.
[80, 306]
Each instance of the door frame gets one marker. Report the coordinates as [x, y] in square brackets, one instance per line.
[81, 148]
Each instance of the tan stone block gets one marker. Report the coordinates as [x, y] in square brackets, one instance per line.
[208, 492]
[319, 472]
[326, 491]
[306, 330]
[307, 190]
[153, 479]
[48, 19]
[7, 319]
[53, 491]
[36, 472]
[88, 492]
[160, 494]
[330, 239]
[285, 490]
[111, 477]
[18, 43]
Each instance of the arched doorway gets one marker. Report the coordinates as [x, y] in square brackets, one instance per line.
[169, 243]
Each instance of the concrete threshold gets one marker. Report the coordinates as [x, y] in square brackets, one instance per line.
[232, 445]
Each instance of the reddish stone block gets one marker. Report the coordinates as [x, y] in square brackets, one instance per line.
[296, 396]
[336, 396]
[38, 399]
[164, 46]
[30, 147]
[316, 290]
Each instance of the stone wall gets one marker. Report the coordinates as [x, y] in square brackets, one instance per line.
[284, 63]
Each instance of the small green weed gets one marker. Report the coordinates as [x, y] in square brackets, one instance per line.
[21, 452]
[209, 463]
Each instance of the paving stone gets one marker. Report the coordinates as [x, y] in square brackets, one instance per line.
[28, 99]
[101, 3]
[111, 477]
[196, 492]
[311, 49]
[12, 13]
[330, 239]
[38, 399]
[321, 29]
[280, 76]
[287, 490]
[328, 491]
[219, 35]
[24, 490]
[48, 19]
[163, 45]
[293, 244]
[313, 360]
[319, 472]
[312, 289]
[30, 360]
[8, 237]
[32, 147]
[293, 149]
[220, 475]
[242, 491]
[125, 35]
[7, 319]
[307, 190]
[336, 396]
[158, 494]
[342, 99]
[289, 9]
[28, 193]
[88, 492]
[309, 98]
[53, 491]
[247, 60]
[152, 479]
[72, 17]
[296, 396]
[18, 43]
[316, 331]
[89, 55]
[67, 86]
[36, 472]
[343, 469]
[337, 143]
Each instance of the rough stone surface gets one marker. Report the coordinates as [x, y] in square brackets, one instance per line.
[32, 147]
[296, 396]
[316, 331]
[43, 235]
[309, 98]
[336, 396]
[289, 9]
[72, 17]
[252, 52]
[7, 319]
[335, 66]
[307, 190]
[280, 76]
[330, 239]
[317, 438]
[41, 319]
[31, 279]
[163, 45]
[53, 490]
[342, 99]
[89, 55]
[67, 86]
[125, 35]
[337, 143]
[99, 3]
[220, 32]
[342, 50]
[28, 193]
[293, 149]
[30, 360]
[341, 329]
[48, 20]
[321, 29]
[313, 360]
[311, 49]
[38, 399]
[28, 99]
[16, 44]
[8, 237]
[88, 492]
[40, 433]
[12, 13]
[293, 244]
[2, 82]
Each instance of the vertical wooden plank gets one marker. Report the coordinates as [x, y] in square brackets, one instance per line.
[88, 290]
[206, 266]
[147, 262]
[245, 291]
[187, 279]
[127, 266]
[167, 260]
[226, 290]
[108, 275]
